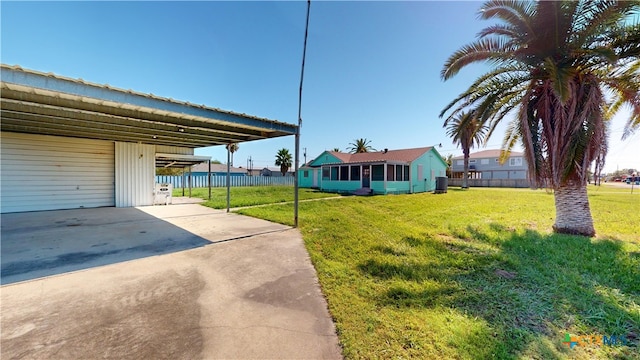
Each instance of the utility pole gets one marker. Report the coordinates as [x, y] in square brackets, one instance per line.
[297, 135]
[250, 166]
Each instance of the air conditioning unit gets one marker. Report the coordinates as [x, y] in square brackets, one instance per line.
[163, 193]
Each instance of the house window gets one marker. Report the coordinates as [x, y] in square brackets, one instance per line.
[355, 173]
[306, 173]
[344, 173]
[406, 173]
[484, 161]
[325, 173]
[398, 172]
[517, 161]
[390, 173]
[377, 172]
[460, 162]
[334, 172]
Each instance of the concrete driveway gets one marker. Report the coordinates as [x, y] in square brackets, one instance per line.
[167, 282]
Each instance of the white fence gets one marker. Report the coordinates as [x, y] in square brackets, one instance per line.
[221, 181]
[506, 183]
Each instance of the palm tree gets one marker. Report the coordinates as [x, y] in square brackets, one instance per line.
[449, 160]
[360, 146]
[552, 64]
[283, 159]
[467, 131]
[335, 150]
[232, 147]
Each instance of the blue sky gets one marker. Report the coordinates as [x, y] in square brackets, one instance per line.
[372, 71]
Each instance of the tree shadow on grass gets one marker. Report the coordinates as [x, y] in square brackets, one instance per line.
[524, 284]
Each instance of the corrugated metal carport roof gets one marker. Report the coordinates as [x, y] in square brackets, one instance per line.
[39, 103]
[179, 161]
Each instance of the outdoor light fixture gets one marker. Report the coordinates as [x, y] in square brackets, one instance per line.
[180, 129]
[155, 136]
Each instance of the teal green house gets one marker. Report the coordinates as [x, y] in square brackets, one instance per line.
[382, 172]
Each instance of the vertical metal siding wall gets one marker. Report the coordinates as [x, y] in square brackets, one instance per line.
[135, 171]
[41, 172]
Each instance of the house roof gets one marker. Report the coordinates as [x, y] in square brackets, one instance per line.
[402, 155]
[216, 168]
[49, 104]
[488, 154]
[344, 157]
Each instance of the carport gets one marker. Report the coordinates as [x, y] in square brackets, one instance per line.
[53, 127]
[105, 275]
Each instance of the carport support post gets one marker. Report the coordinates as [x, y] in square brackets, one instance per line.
[183, 180]
[209, 178]
[228, 179]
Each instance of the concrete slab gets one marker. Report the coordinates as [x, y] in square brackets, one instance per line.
[251, 292]
[177, 200]
[45, 243]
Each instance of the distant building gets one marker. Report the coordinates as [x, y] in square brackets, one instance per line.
[269, 171]
[380, 172]
[217, 170]
[486, 165]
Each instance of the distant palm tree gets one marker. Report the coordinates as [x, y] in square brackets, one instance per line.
[360, 146]
[283, 159]
[467, 131]
[554, 66]
[335, 150]
[232, 147]
[449, 160]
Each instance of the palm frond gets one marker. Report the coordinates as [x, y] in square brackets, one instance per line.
[499, 30]
[496, 50]
[511, 137]
[516, 13]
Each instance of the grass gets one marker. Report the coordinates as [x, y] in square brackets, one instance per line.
[251, 195]
[473, 274]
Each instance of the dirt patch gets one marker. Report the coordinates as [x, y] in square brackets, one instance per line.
[505, 274]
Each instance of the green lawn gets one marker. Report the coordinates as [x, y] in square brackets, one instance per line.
[251, 195]
[473, 274]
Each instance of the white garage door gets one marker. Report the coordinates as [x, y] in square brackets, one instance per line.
[40, 172]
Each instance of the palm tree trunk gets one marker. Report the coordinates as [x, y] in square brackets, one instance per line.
[573, 215]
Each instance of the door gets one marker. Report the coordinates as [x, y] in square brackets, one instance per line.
[366, 179]
[41, 172]
[315, 173]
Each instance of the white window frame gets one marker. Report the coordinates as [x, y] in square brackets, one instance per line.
[515, 161]
[484, 161]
